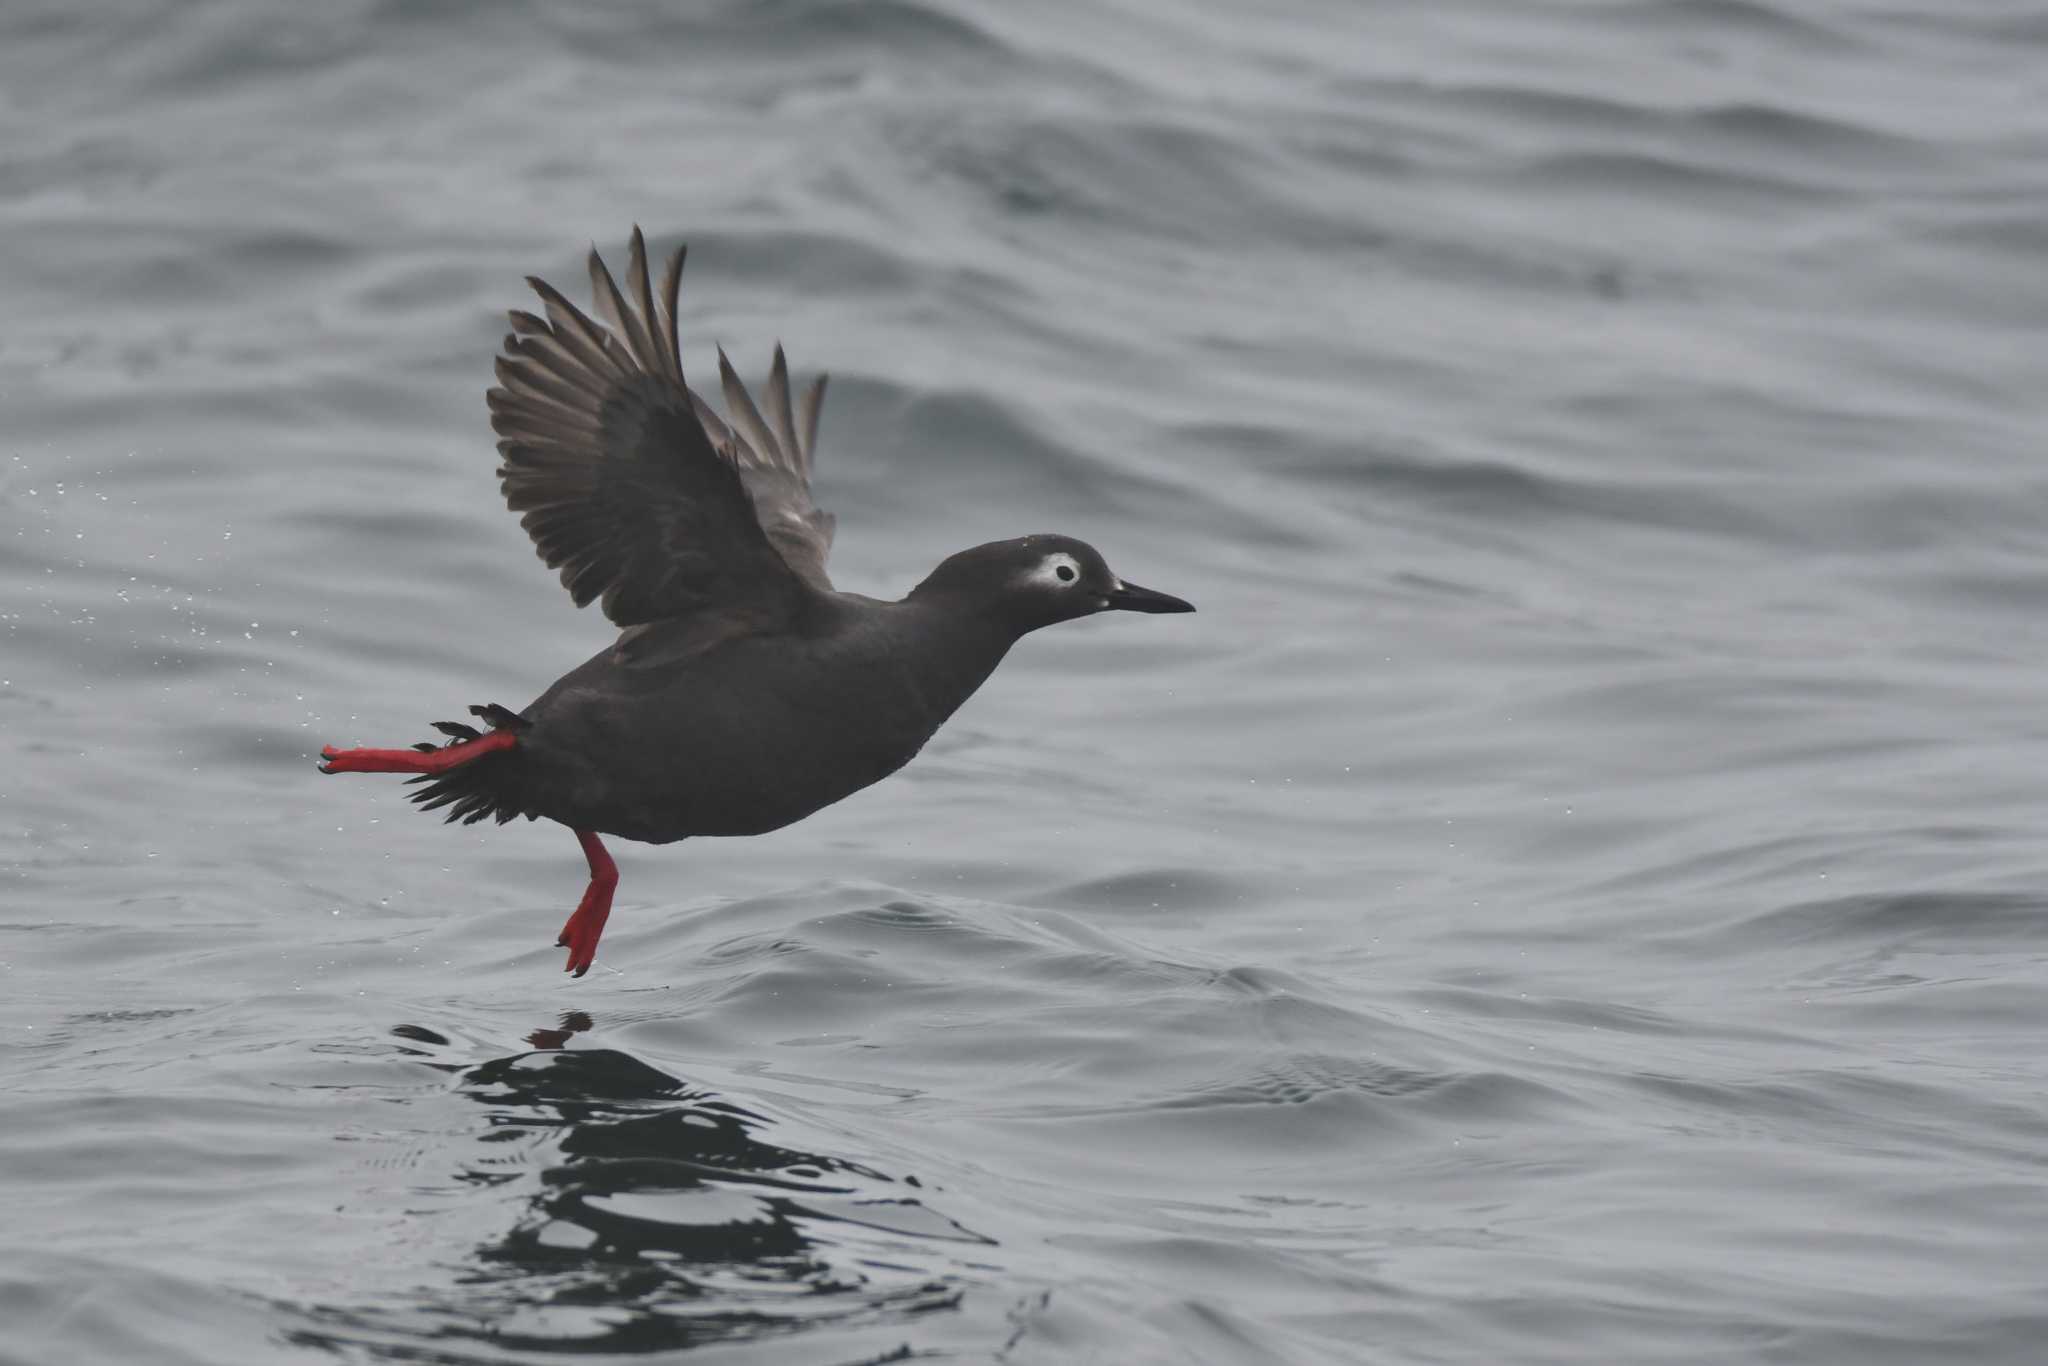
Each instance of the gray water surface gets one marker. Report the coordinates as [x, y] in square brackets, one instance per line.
[1576, 891]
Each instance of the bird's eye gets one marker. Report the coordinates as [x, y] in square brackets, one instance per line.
[1056, 573]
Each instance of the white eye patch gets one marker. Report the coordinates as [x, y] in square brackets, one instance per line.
[1057, 570]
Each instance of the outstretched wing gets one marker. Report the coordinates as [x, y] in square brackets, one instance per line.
[775, 462]
[616, 478]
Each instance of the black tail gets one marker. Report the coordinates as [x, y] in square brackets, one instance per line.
[493, 786]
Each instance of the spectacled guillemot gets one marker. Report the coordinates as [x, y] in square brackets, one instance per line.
[744, 692]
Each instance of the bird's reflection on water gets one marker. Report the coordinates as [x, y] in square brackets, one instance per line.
[573, 1022]
[658, 1218]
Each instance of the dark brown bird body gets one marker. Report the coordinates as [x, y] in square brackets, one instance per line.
[741, 738]
[744, 692]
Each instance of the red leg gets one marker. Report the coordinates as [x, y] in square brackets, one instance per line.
[413, 760]
[586, 923]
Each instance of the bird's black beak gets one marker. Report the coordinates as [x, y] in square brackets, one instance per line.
[1128, 597]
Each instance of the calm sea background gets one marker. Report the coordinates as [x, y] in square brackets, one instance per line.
[1578, 891]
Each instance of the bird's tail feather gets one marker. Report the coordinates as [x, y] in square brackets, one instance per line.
[493, 786]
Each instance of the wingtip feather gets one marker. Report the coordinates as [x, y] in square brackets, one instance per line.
[671, 290]
[777, 397]
[813, 402]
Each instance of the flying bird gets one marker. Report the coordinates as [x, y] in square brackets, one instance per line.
[744, 691]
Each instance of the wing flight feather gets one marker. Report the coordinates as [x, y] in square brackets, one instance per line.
[630, 485]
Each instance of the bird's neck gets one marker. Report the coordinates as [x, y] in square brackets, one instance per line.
[955, 645]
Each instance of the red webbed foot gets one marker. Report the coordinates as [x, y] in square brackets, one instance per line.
[585, 925]
[425, 759]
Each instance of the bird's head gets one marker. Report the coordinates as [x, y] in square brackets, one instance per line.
[1036, 581]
